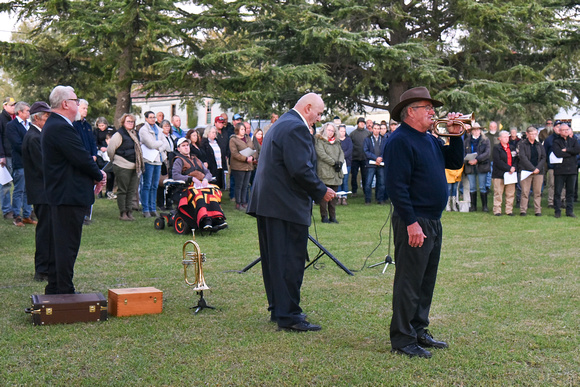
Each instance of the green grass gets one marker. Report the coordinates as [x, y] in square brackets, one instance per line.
[507, 300]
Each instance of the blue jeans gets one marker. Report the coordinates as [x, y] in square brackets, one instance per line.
[481, 177]
[379, 173]
[5, 190]
[344, 185]
[452, 187]
[488, 177]
[149, 191]
[19, 195]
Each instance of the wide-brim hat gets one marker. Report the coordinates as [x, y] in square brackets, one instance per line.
[413, 95]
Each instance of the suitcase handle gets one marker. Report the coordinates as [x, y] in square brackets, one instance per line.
[31, 311]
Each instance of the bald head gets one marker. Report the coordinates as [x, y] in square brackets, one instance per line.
[311, 107]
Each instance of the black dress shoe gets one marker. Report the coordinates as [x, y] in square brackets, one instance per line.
[40, 277]
[427, 340]
[571, 215]
[273, 318]
[302, 326]
[557, 215]
[412, 350]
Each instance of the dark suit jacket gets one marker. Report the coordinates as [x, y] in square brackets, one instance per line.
[32, 158]
[5, 148]
[286, 180]
[369, 148]
[69, 170]
[15, 133]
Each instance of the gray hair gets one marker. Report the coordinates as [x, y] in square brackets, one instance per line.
[20, 106]
[38, 116]
[101, 120]
[58, 95]
[502, 132]
[322, 132]
[207, 130]
[83, 102]
[163, 122]
[404, 113]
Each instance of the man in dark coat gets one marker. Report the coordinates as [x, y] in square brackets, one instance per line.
[565, 147]
[284, 187]
[415, 163]
[6, 116]
[69, 176]
[32, 159]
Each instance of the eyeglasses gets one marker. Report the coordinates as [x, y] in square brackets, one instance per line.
[74, 99]
[129, 122]
[427, 107]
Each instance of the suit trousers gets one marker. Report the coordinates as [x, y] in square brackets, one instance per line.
[356, 164]
[283, 249]
[535, 183]
[561, 182]
[44, 239]
[415, 277]
[67, 229]
[510, 192]
[329, 208]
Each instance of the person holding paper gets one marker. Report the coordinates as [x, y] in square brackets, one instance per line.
[532, 161]
[504, 167]
[477, 145]
[330, 158]
[565, 173]
[154, 154]
[124, 150]
[241, 163]
[373, 147]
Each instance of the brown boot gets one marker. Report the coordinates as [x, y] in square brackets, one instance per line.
[344, 203]
[124, 216]
[130, 215]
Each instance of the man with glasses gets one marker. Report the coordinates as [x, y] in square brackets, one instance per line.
[70, 173]
[415, 163]
[565, 147]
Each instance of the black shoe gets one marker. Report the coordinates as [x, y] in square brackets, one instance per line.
[538, 214]
[412, 350]
[550, 206]
[333, 220]
[274, 319]
[302, 326]
[498, 214]
[557, 215]
[325, 220]
[206, 224]
[571, 215]
[523, 214]
[510, 214]
[427, 340]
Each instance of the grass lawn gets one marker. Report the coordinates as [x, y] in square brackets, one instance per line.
[507, 300]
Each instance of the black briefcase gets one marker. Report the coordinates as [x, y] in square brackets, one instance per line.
[50, 309]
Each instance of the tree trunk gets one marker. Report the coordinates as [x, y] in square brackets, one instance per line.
[124, 84]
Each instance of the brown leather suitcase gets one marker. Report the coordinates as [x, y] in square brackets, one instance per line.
[135, 301]
[50, 309]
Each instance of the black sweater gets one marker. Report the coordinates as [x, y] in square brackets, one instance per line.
[415, 172]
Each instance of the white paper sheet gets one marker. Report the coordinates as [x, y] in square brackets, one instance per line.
[525, 174]
[470, 156]
[555, 159]
[510, 178]
[5, 176]
[373, 162]
[344, 168]
[343, 193]
[247, 152]
[149, 154]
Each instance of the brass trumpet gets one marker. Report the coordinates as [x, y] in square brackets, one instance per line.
[192, 256]
[467, 119]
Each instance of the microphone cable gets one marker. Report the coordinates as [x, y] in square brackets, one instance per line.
[380, 238]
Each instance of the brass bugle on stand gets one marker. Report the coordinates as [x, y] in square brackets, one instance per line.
[467, 119]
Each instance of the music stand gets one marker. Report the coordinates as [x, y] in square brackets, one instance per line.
[323, 251]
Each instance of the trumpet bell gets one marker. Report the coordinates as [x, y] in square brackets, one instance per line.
[193, 259]
[467, 119]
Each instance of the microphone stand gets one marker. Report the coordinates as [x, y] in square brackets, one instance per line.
[388, 260]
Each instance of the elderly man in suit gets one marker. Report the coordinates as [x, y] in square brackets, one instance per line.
[15, 132]
[32, 160]
[284, 187]
[70, 174]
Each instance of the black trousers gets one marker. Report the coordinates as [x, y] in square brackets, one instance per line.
[283, 248]
[67, 229]
[561, 181]
[415, 276]
[356, 164]
[44, 239]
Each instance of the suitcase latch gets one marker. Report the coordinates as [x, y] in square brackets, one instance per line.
[155, 300]
[126, 301]
[92, 309]
[48, 311]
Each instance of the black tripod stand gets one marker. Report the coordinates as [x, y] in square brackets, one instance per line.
[388, 260]
[201, 304]
[323, 251]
